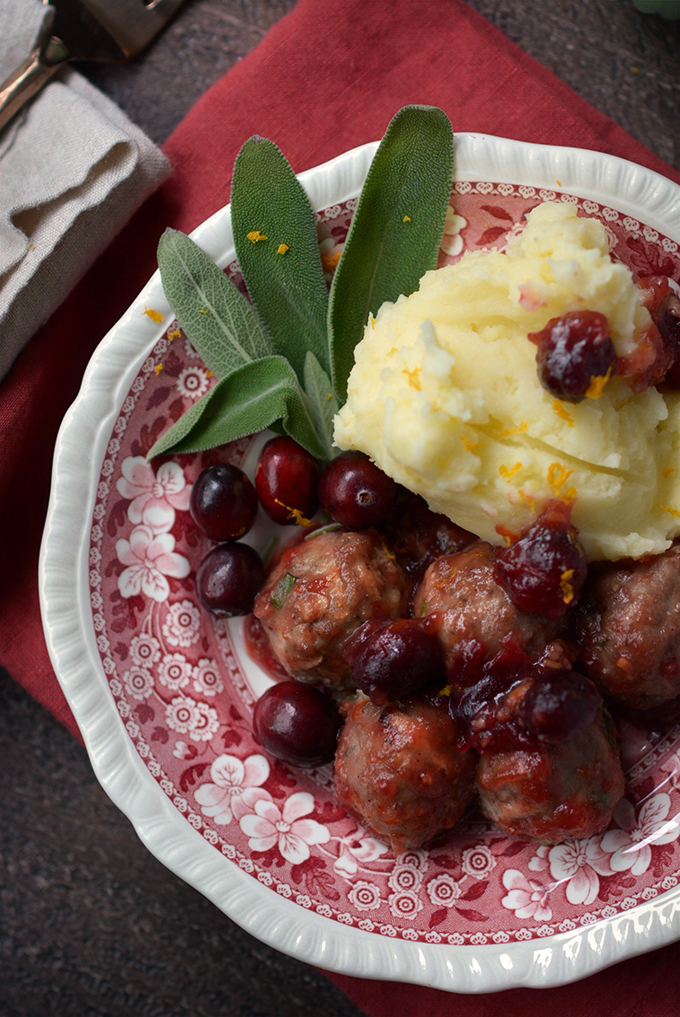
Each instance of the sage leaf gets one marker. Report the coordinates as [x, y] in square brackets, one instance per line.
[277, 248]
[322, 400]
[396, 230]
[220, 322]
[252, 397]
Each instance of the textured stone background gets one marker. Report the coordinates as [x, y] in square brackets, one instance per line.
[91, 925]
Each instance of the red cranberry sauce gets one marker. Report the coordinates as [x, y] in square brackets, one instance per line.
[512, 703]
[544, 570]
[663, 304]
[260, 651]
[418, 535]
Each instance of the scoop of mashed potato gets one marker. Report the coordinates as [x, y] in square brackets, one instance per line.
[445, 396]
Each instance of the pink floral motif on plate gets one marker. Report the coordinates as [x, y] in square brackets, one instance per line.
[183, 691]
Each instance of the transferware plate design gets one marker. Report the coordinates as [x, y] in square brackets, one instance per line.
[164, 693]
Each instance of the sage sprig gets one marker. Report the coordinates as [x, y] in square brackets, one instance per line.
[221, 323]
[278, 252]
[283, 360]
[396, 231]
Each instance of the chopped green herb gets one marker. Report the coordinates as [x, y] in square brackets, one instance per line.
[283, 588]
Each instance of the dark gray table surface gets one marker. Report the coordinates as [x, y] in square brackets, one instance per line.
[90, 922]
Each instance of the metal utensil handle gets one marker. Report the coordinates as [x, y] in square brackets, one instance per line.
[28, 79]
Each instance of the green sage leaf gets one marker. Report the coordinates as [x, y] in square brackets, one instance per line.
[249, 399]
[322, 401]
[217, 318]
[396, 230]
[277, 248]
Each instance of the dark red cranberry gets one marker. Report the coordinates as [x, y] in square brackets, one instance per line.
[223, 502]
[573, 352]
[228, 579]
[287, 480]
[664, 306]
[395, 659]
[355, 492]
[545, 569]
[558, 705]
[297, 723]
[418, 535]
[503, 712]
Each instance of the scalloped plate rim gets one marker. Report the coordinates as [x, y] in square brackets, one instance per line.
[70, 636]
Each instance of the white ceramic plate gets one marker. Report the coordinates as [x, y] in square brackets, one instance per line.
[162, 695]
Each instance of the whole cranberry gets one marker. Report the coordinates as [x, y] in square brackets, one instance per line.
[223, 502]
[228, 579]
[575, 354]
[287, 481]
[395, 659]
[355, 492]
[297, 723]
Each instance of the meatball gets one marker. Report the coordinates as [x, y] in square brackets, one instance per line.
[398, 770]
[557, 791]
[320, 592]
[471, 609]
[628, 628]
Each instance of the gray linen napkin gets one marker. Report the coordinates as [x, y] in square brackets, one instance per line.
[73, 169]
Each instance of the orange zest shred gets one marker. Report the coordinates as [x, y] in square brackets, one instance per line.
[158, 368]
[282, 248]
[202, 310]
[209, 374]
[515, 430]
[407, 218]
[255, 235]
[671, 511]
[413, 378]
[175, 334]
[527, 499]
[557, 478]
[667, 472]
[597, 384]
[295, 513]
[566, 586]
[329, 261]
[154, 315]
[508, 472]
[561, 412]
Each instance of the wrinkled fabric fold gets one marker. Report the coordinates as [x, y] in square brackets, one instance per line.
[73, 169]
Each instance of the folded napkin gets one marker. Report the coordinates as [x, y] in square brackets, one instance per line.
[327, 77]
[73, 169]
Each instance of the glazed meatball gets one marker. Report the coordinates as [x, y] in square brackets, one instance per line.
[628, 629]
[320, 592]
[398, 770]
[471, 609]
[555, 792]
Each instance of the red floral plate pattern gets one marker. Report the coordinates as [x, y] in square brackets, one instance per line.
[183, 687]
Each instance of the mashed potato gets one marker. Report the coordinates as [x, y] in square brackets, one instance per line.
[445, 396]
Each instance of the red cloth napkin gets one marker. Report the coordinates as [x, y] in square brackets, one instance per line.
[327, 77]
